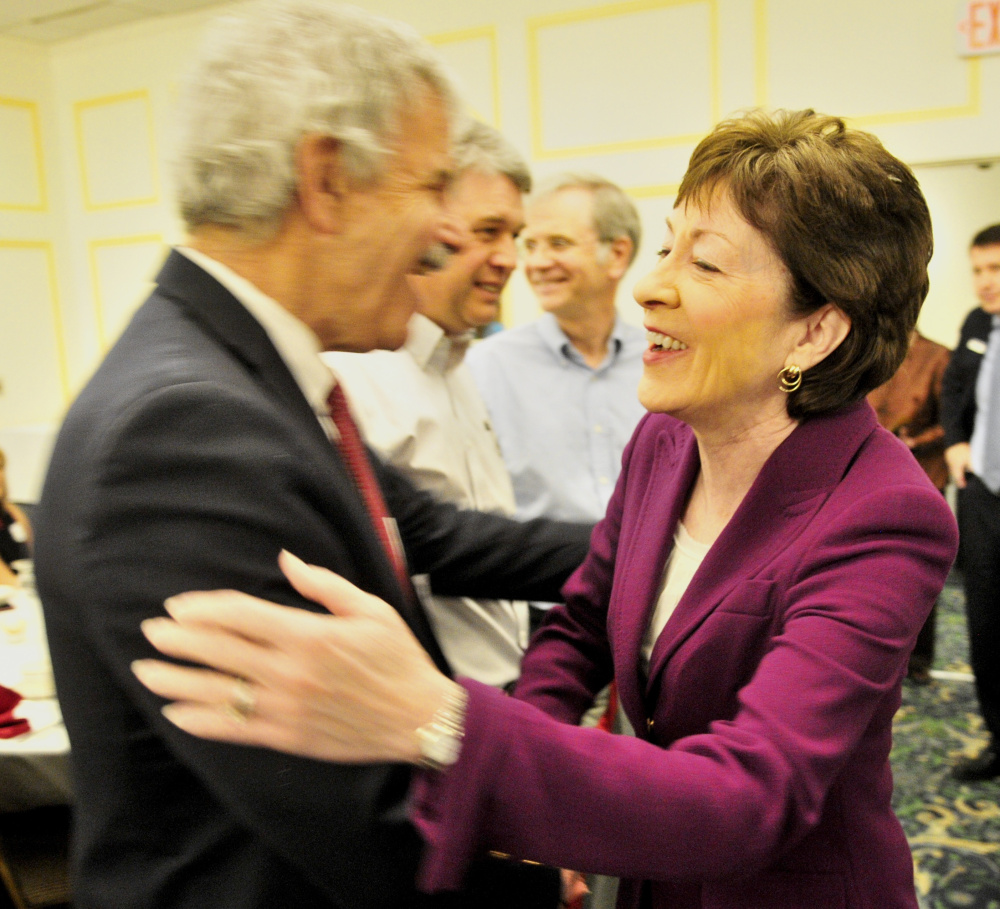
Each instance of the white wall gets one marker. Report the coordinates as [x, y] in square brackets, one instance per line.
[963, 198]
[624, 89]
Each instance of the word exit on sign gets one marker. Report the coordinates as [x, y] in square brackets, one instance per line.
[978, 27]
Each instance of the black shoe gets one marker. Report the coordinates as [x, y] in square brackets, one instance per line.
[919, 676]
[984, 766]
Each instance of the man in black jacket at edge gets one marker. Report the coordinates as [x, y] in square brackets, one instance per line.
[970, 411]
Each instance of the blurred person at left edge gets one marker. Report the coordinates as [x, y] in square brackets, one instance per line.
[15, 531]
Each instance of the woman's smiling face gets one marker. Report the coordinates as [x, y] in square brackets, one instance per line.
[718, 320]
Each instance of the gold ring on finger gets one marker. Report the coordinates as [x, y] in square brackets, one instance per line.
[242, 703]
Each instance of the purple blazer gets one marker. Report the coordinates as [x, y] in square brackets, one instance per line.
[760, 774]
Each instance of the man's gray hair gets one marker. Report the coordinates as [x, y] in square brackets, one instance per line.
[279, 71]
[614, 213]
[482, 148]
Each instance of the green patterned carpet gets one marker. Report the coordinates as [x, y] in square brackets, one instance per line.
[953, 828]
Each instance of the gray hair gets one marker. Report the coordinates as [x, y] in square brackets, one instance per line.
[614, 213]
[283, 70]
[482, 148]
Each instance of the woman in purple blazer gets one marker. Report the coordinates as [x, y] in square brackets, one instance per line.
[766, 562]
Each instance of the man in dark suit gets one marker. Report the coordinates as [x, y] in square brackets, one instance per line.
[311, 180]
[970, 409]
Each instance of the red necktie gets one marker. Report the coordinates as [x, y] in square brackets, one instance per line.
[352, 450]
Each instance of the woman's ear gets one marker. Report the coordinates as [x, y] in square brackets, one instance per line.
[823, 332]
[321, 181]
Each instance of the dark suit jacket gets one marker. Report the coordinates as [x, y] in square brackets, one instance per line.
[760, 775]
[958, 391]
[189, 461]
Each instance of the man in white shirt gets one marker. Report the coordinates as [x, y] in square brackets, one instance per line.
[419, 407]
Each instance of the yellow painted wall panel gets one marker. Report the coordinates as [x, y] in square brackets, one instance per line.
[122, 271]
[117, 151]
[838, 58]
[32, 370]
[472, 57]
[22, 180]
[592, 92]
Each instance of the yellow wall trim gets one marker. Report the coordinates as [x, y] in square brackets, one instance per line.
[32, 109]
[971, 107]
[79, 109]
[537, 24]
[663, 190]
[57, 317]
[93, 248]
[489, 33]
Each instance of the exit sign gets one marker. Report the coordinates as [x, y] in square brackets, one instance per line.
[978, 27]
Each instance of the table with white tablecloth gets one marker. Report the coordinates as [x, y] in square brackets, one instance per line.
[34, 766]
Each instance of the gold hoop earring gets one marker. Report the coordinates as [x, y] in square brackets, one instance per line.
[789, 379]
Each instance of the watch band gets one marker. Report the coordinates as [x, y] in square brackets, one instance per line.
[440, 740]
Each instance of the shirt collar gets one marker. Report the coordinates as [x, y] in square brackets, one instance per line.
[431, 348]
[296, 343]
[561, 346]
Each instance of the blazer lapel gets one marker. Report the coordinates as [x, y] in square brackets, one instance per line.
[226, 319]
[793, 484]
[675, 466]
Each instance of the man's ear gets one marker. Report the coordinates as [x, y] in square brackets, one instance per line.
[619, 255]
[321, 183]
[823, 331]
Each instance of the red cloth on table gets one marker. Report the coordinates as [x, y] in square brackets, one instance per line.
[11, 725]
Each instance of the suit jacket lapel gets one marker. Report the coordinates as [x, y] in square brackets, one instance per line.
[226, 319]
[792, 485]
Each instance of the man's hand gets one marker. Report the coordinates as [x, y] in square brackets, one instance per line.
[958, 458]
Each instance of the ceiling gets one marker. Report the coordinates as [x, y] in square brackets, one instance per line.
[46, 21]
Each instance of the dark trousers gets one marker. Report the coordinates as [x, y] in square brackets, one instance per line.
[922, 657]
[979, 526]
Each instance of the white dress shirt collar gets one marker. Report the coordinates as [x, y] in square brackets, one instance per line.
[431, 348]
[296, 343]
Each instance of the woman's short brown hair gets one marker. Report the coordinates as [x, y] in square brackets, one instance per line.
[849, 222]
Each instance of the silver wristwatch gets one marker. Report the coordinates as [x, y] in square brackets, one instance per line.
[440, 740]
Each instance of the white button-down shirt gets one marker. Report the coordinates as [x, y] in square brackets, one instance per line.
[419, 407]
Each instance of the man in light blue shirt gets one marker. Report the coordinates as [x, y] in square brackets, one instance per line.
[561, 391]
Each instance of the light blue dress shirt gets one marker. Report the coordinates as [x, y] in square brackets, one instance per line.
[984, 455]
[562, 426]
